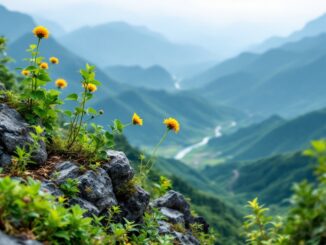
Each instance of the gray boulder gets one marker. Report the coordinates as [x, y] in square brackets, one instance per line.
[134, 205]
[118, 168]
[176, 201]
[89, 207]
[96, 187]
[14, 131]
[5, 159]
[185, 238]
[51, 188]
[65, 170]
[8, 240]
[173, 216]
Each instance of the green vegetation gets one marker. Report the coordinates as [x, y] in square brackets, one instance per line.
[273, 136]
[305, 222]
[24, 154]
[25, 209]
[279, 173]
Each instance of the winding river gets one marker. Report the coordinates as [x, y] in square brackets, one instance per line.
[218, 133]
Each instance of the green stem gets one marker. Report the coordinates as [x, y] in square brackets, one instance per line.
[30, 101]
[148, 165]
[77, 128]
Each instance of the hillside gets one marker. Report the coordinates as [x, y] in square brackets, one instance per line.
[312, 28]
[22, 24]
[120, 100]
[287, 80]
[270, 137]
[153, 77]
[279, 172]
[198, 117]
[118, 43]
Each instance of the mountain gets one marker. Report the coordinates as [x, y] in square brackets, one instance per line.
[197, 117]
[68, 68]
[14, 24]
[119, 43]
[271, 179]
[288, 80]
[56, 29]
[270, 137]
[312, 28]
[153, 77]
[220, 70]
[121, 101]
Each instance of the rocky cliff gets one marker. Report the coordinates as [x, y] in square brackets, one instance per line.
[98, 189]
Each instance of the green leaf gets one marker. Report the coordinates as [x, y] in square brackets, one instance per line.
[37, 95]
[68, 113]
[97, 83]
[72, 97]
[44, 76]
[118, 126]
[91, 111]
[89, 96]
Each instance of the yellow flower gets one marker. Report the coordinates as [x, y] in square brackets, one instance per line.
[61, 83]
[54, 60]
[25, 72]
[136, 120]
[41, 32]
[91, 87]
[172, 124]
[44, 65]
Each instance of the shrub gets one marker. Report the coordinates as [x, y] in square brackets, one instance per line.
[305, 222]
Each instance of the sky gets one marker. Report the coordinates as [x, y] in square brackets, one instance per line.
[234, 24]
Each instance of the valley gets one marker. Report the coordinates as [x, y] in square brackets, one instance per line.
[244, 121]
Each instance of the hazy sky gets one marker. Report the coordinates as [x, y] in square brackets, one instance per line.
[207, 22]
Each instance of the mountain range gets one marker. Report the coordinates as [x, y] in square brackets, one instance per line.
[289, 80]
[119, 43]
[120, 100]
[153, 77]
[312, 28]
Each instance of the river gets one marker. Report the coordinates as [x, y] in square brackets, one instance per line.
[218, 133]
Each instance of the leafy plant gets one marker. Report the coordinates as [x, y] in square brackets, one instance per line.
[305, 222]
[24, 154]
[70, 187]
[24, 210]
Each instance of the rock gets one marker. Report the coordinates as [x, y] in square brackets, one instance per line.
[64, 171]
[30, 242]
[51, 188]
[186, 238]
[91, 209]
[175, 200]
[173, 216]
[14, 131]
[134, 206]
[118, 168]
[96, 187]
[164, 227]
[8, 240]
[5, 159]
